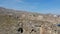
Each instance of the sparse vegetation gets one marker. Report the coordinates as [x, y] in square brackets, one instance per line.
[9, 20]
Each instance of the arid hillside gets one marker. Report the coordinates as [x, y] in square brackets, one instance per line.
[21, 22]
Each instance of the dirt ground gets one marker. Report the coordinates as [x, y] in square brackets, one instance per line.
[28, 23]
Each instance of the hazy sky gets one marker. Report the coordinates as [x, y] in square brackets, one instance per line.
[41, 6]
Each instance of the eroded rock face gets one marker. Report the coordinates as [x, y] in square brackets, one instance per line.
[28, 23]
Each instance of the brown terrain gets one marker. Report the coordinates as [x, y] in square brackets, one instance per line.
[20, 22]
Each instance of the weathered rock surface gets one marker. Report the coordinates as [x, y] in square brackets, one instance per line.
[15, 22]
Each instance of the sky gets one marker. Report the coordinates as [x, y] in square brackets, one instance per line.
[39, 6]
